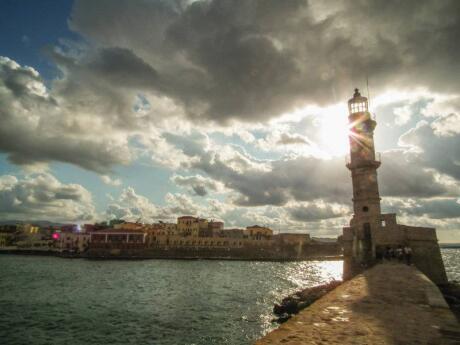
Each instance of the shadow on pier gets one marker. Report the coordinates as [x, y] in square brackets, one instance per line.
[390, 303]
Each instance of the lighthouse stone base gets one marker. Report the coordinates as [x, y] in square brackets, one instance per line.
[362, 249]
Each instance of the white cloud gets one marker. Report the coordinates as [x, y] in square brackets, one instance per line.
[198, 184]
[42, 197]
[403, 115]
[111, 181]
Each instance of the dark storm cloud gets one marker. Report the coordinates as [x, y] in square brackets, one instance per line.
[123, 67]
[30, 133]
[252, 60]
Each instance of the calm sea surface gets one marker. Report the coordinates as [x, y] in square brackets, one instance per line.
[47, 300]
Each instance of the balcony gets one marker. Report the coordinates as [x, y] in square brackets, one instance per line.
[363, 162]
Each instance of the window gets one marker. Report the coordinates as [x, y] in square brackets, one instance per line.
[383, 223]
[365, 209]
[358, 107]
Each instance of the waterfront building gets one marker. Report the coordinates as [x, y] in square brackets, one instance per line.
[128, 226]
[372, 233]
[31, 236]
[194, 237]
[161, 229]
[294, 239]
[28, 230]
[258, 232]
[7, 235]
[75, 242]
[215, 227]
[190, 226]
[111, 236]
[231, 233]
[5, 239]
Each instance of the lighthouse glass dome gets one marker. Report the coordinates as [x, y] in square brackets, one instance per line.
[358, 103]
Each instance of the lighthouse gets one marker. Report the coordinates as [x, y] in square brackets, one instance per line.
[372, 234]
[363, 166]
[363, 163]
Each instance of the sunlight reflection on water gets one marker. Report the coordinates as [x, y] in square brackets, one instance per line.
[451, 258]
[162, 302]
[308, 273]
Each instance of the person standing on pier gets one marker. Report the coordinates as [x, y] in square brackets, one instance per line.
[408, 255]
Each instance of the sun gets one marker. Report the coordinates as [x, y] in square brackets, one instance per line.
[333, 133]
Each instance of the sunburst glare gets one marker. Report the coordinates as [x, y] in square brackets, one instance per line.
[333, 134]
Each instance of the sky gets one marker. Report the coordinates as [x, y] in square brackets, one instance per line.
[232, 110]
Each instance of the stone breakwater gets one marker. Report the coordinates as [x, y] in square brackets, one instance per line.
[299, 300]
[389, 304]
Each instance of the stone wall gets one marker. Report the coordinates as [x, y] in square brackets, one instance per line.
[214, 248]
[426, 254]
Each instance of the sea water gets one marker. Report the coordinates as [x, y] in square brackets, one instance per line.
[48, 300]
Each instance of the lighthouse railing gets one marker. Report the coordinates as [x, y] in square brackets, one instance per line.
[377, 158]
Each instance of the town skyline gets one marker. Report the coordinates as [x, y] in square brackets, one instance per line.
[154, 119]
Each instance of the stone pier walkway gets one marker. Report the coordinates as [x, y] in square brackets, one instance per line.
[390, 304]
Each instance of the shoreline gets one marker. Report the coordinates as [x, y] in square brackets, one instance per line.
[37, 252]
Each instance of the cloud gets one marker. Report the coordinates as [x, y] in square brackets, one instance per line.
[252, 60]
[267, 182]
[300, 178]
[38, 128]
[403, 115]
[132, 206]
[240, 98]
[313, 211]
[199, 184]
[438, 208]
[405, 174]
[111, 181]
[135, 207]
[439, 149]
[287, 139]
[43, 197]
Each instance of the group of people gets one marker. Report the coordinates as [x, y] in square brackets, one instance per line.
[400, 253]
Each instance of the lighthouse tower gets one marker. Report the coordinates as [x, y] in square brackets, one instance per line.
[372, 234]
[363, 164]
